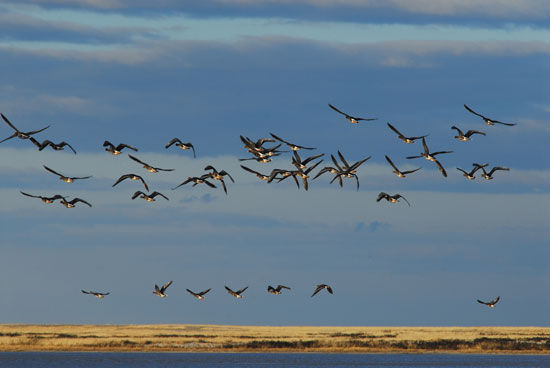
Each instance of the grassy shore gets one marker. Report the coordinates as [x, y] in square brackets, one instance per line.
[215, 338]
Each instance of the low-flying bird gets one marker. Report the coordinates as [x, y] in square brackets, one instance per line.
[46, 200]
[490, 304]
[95, 293]
[160, 291]
[321, 287]
[196, 180]
[465, 137]
[198, 295]
[351, 119]
[292, 146]
[66, 179]
[391, 198]
[470, 175]
[486, 119]
[489, 175]
[118, 149]
[180, 144]
[73, 202]
[132, 177]
[398, 172]
[277, 290]
[236, 294]
[148, 197]
[147, 166]
[18, 133]
[403, 138]
[431, 157]
[261, 176]
[56, 147]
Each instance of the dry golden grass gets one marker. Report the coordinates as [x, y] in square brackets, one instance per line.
[215, 338]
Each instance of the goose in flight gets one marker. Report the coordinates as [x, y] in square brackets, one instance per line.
[56, 147]
[198, 295]
[301, 164]
[147, 166]
[261, 176]
[18, 133]
[236, 294]
[197, 180]
[486, 119]
[73, 202]
[490, 304]
[391, 198]
[470, 175]
[148, 197]
[292, 146]
[180, 144]
[396, 171]
[430, 156]
[257, 146]
[277, 290]
[218, 175]
[46, 200]
[118, 149]
[160, 291]
[403, 138]
[351, 119]
[465, 137]
[489, 175]
[66, 179]
[321, 287]
[347, 170]
[132, 177]
[95, 293]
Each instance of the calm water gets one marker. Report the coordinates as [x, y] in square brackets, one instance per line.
[154, 360]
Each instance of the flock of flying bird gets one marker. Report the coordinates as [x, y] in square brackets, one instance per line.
[340, 169]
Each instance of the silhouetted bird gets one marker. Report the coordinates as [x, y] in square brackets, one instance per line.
[96, 294]
[486, 119]
[321, 287]
[351, 119]
[18, 133]
[236, 294]
[490, 304]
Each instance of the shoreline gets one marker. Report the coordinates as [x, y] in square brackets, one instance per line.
[275, 339]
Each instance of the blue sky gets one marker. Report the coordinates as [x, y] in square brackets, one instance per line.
[209, 71]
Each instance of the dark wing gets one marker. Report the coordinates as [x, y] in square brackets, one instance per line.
[381, 196]
[500, 122]
[34, 141]
[343, 160]
[335, 109]
[165, 286]
[9, 123]
[123, 177]
[410, 171]
[464, 172]
[395, 130]
[52, 171]
[229, 290]
[157, 288]
[480, 301]
[469, 133]
[174, 140]
[473, 112]
[441, 168]
[426, 149]
[311, 158]
[159, 169]
[75, 200]
[37, 131]
[45, 144]
[210, 184]
[391, 163]
[63, 144]
[309, 169]
[458, 130]
[192, 293]
[81, 177]
[137, 160]
[279, 287]
[108, 144]
[85, 292]
[223, 186]
[154, 194]
[204, 292]
[359, 163]
[279, 139]
[223, 172]
[124, 145]
[30, 195]
[250, 170]
[440, 152]
[242, 290]
[335, 162]
[405, 199]
[317, 289]
[329, 289]
[498, 168]
[136, 194]
[495, 301]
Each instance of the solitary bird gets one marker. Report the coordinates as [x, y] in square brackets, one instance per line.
[321, 287]
[118, 149]
[351, 119]
[132, 177]
[465, 137]
[486, 119]
[236, 294]
[46, 200]
[66, 179]
[403, 138]
[470, 175]
[18, 133]
[490, 304]
[57, 147]
[198, 295]
[398, 172]
[489, 175]
[180, 144]
[277, 290]
[292, 146]
[391, 198]
[148, 197]
[96, 294]
[430, 156]
[147, 166]
[160, 291]
[197, 180]
[73, 202]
